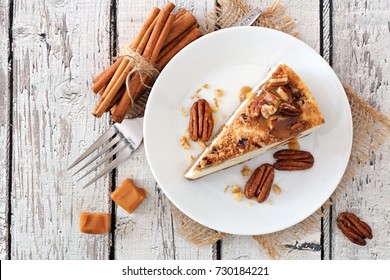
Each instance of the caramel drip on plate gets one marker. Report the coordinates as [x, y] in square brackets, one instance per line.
[293, 143]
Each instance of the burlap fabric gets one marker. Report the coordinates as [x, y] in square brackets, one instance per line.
[370, 130]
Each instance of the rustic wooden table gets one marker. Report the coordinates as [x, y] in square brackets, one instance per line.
[49, 50]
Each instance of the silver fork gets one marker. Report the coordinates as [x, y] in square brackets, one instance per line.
[123, 139]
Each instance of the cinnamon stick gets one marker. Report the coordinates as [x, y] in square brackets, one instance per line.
[161, 39]
[158, 41]
[192, 36]
[140, 48]
[136, 88]
[127, 69]
[96, 78]
[114, 101]
[100, 100]
[177, 30]
[181, 12]
[117, 97]
[161, 21]
[180, 25]
[162, 62]
[151, 55]
[109, 72]
[103, 78]
[120, 74]
[172, 44]
[146, 37]
[149, 20]
[101, 91]
[108, 94]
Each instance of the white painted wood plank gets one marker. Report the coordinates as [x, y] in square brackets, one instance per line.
[4, 127]
[58, 47]
[149, 232]
[361, 43]
[306, 14]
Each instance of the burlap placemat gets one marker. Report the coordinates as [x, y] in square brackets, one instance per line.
[370, 130]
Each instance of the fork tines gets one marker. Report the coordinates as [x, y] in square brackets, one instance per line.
[113, 140]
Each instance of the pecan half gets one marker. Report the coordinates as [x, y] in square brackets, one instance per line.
[201, 121]
[271, 104]
[353, 228]
[255, 108]
[260, 183]
[278, 79]
[277, 121]
[268, 110]
[297, 128]
[289, 110]
[265, 103]
[284, 93]
[290, 160]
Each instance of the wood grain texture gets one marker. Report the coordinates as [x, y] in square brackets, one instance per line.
[361, 43]
[306, 14]
[149, 232]
[4, 126]
[58, 47]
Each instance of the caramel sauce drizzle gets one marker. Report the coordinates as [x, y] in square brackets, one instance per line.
[293, 143]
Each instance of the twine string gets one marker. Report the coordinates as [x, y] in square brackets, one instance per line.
[138, 65]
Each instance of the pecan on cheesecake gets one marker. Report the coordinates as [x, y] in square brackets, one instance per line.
[281, 107]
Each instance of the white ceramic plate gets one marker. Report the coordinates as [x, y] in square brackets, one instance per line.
[228, 60]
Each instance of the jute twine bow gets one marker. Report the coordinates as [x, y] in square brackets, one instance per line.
[138, 65]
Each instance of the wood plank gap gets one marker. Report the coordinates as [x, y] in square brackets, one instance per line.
[113, 174]
[217, 248]
[112, 186]
[330, 15]
[10, 125]
[326, 30]
[322, 237]
[326, 42]
[330, 230]
[321, 8]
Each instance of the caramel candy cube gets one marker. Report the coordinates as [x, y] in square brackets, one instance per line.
[128, 195]
[94, 223]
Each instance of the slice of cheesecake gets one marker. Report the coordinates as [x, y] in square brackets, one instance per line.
[281, 107]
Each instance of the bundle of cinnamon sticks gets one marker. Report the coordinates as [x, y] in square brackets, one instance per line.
[161, 37]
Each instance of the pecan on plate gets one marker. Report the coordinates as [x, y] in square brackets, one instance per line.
[201, 121]
[290, 160]
[353, 228]
[260, 183]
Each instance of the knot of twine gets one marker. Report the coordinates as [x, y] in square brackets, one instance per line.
[138, 65]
